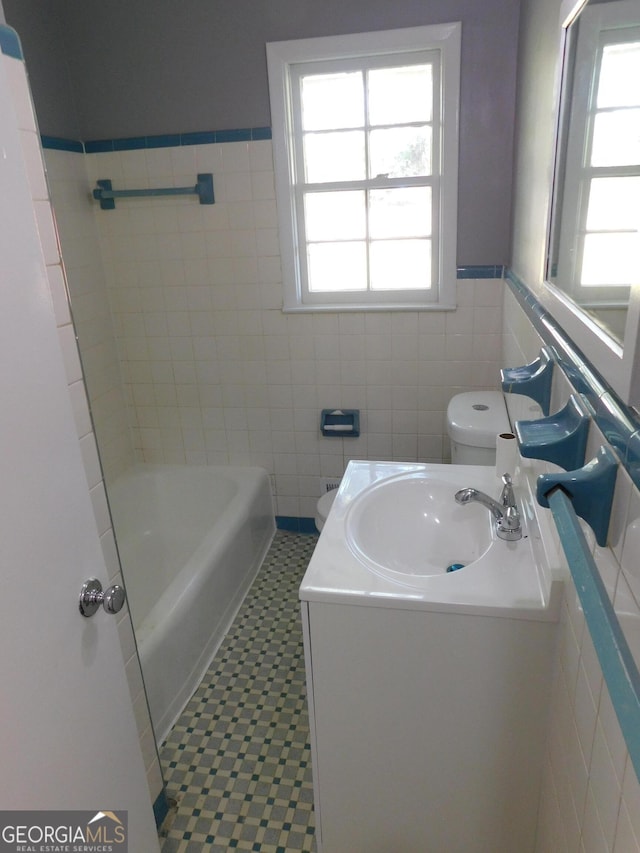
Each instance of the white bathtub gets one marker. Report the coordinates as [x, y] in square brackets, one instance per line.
[191, 540]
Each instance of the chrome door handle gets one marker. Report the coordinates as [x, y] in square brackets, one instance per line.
[92, 596]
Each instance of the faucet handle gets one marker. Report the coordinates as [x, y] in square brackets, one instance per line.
[507, 497]
[508, 527]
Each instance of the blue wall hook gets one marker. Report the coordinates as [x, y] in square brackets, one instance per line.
[533, 380]
[560, 438]
[590, 489]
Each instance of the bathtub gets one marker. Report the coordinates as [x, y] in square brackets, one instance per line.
[191, 540]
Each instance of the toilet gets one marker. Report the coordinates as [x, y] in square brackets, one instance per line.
[474, 420]
[323, 508]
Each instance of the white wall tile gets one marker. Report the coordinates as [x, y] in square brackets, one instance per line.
[591, 776]
[195, 295]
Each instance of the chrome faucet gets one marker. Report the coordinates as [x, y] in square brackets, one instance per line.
[504, 511]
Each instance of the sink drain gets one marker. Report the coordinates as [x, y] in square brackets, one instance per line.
[454, 567]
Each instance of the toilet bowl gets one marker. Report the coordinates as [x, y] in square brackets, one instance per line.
[474, 420]
[323, 507]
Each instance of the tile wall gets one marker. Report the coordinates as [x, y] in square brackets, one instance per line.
[212, 370]
[590, 797]
[74, 210]
[57, 282]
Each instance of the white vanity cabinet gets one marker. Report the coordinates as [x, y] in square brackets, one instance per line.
[428, 689]
[427, 728]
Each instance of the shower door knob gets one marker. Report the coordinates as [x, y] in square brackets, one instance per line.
[92, 596]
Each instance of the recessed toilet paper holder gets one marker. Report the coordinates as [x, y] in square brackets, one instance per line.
[340, 423]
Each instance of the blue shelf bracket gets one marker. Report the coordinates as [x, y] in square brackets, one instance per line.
[560, 438]
[106, 195]
[590, 489]
[533, 380]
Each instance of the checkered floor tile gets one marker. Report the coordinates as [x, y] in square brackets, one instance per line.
[237, 762]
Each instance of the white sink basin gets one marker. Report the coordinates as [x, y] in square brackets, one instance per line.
[395, 527]
[411, 526]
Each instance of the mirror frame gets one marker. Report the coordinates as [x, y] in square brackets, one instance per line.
[618, 364]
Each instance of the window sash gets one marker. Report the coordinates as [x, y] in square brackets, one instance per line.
[288, 63]
[576, 233]
[363, 65]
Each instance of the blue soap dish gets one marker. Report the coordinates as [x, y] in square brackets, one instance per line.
[560, 438]
[533, 380]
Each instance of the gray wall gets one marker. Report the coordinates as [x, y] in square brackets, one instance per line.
[166, 66]
[535, 126]
[42, 36]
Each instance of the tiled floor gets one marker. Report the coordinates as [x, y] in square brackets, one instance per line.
[238, 760]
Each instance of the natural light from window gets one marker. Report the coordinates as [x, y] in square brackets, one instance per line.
[610, 252]
[366, 168]
[370, 126]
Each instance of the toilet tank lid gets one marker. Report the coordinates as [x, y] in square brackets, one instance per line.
[475, 418]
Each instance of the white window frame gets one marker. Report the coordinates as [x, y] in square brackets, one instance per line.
[281, 56]
[600, 25]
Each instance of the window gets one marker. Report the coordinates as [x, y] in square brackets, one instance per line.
[366, 151]
[601, 217]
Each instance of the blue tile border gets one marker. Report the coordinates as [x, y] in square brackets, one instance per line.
[98, 146]
[481, 271]
[293, 524]
[131, 143]
[170, 140]
[57, 143]
[10, 43]
[202, 137]
[617, 421]
[167, 140]
[161, 807]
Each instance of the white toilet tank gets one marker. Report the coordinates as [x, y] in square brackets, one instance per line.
[474, 420]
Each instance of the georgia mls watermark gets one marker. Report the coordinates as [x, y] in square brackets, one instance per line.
[63, 832]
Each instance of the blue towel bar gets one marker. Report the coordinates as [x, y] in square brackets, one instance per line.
[618, 666]
[106, 195]
[590, 489]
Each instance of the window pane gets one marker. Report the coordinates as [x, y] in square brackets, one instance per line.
[614, 204]
[334, 156]
[337, 266]
[610, 259]
[616, 138]
[400, 264]
[400, 212]
[400, 152]
[400, 95]
[619, 75]
[332, 101]
[335, 216]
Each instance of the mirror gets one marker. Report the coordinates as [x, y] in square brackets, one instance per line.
[593, 259]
